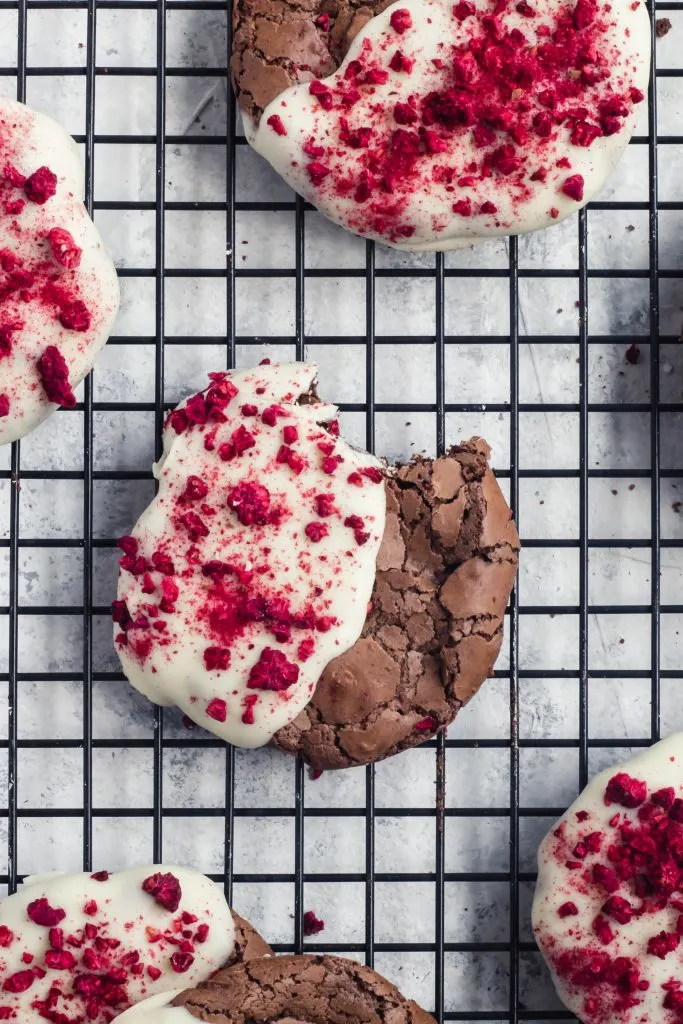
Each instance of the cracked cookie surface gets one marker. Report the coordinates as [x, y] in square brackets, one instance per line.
[249, 945]
[445, 570]
[305, 989]
[278, 43]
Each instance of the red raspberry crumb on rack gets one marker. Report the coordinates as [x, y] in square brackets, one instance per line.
[313, 925]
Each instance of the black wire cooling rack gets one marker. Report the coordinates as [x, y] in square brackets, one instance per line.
[15, 542]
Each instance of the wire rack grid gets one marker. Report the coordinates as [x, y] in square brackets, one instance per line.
[422, 866]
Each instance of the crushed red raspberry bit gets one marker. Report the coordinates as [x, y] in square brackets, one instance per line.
[626, 791]
[567, 909]
[251, 503]
[166, 890]
[324, 504]
[426, 725]
[60, 960]
[217, 709]
[463, 10]
[181, 962]
[305, 649]
[316, 531]
[75, 316]
[313, 925]
[64, 249]
[402, 64]
[195, 525]
[573, 187]
[322, 93]
[330, 464]
[289, 457]
[618, 908]
[100, 876]
[54, 374]
[216, 659]
[663, 944]
[401, 20]
[41, 913]
[195, 489]
[276, 123]
[605, 877]
[249, 703]
[19, 982]
[273, 671]
[603, 931]
[41, 186]
[4, 406]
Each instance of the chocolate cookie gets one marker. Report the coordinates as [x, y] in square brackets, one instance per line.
[302, 989]
[277, 43]
[428, 125]
[90, 946]
[445, 570]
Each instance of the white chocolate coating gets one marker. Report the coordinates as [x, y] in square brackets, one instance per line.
[427, 204]
[124, 913]
[29, 141]
[660, 766]
[158, 1010]
[333, 576]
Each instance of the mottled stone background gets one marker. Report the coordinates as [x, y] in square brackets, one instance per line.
[477, 322]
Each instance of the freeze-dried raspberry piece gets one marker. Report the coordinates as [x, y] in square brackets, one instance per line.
[19, 982]
[250, 501]
[217, 709]
[41, 186]
[75, 316]
[40, 912]
[165, 888]
[54, 374]
[273, 671]
[64, 249]
[624, 790]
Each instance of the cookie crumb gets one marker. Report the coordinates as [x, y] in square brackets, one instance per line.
[662, 26]
[633, 354]
[630, 227]
[676, 506]
[312, 924]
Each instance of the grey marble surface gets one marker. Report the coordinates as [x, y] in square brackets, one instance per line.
[477, 374]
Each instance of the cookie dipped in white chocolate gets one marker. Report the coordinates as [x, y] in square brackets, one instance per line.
[58, 287]
[450, 123]
[608, 907]
[253, 567]
[89, 946]
[158, 1010]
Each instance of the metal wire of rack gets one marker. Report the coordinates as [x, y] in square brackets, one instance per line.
[516, 945]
